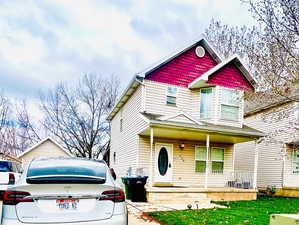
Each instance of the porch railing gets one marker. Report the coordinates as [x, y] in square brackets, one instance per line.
[240, 179]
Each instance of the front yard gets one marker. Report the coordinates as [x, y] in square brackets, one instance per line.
[239, 212]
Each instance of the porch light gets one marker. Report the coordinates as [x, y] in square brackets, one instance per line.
[182, 146]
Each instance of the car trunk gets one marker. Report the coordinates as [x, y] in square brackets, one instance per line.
[4, 178]
[64, 203]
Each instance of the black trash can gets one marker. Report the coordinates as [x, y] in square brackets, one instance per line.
[128, 192]
[137, 189]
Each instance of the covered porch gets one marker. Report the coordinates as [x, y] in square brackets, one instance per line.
[190, 160]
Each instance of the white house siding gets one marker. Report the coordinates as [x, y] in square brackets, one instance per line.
[46, 149]
[187, 101]
[125, 144]
[184, 162]
[275, 123]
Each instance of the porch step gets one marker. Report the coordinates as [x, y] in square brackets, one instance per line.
[177, 197]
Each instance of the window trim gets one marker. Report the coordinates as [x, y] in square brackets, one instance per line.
[223, 148]
[171, 95]
[293, 161]
[228, 104]
[211, 112]
[200, 146]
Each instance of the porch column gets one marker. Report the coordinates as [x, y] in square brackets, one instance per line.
[207, 160]
[256, 158]
[151, 158]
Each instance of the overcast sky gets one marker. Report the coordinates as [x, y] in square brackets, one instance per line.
[45, 42]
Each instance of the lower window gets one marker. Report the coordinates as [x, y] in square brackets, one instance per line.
[217, 158]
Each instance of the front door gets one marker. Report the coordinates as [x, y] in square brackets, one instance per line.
[163, 163]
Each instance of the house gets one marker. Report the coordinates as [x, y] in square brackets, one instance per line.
[278, 151]
[179, 121]
[45, 148]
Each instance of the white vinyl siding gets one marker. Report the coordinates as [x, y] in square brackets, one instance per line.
[184, 172]
[276, 124]
[124, 152]
[188, 101]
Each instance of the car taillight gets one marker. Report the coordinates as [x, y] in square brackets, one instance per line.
[15, 197]
[11, 178]
[113, 195]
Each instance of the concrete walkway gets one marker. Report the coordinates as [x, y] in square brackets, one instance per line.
[136, 210]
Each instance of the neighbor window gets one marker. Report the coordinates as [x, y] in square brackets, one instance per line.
[200, 159]
[296, 161]
[206, 103]
[230, 104]
[121, 121]
[171, 95]
[217, 158]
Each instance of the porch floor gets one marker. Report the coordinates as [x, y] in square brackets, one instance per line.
[181, 194]
[197, 189]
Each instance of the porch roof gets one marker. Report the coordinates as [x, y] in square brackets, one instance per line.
[198, 132]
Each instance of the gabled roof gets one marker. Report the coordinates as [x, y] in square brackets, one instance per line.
[178, 52]
[40, 143]
[202, 80]
[138, 78]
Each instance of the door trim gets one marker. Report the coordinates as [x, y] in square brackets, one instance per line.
[156, 178]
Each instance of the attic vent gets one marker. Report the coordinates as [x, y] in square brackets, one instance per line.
[200, 51]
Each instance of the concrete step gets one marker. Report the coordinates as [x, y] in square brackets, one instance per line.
[179, 200]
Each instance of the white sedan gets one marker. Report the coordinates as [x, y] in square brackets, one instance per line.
[65, 191]
[9, 174]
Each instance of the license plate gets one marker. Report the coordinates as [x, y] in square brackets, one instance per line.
[67, 204]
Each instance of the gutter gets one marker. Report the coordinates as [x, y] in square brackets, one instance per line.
[132, 86]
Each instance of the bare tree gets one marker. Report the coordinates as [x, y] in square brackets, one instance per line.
[279, 40]
[18, 131]
[76, 115]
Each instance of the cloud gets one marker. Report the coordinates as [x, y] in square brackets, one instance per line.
[46, 42]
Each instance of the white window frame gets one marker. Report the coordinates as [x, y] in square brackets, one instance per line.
[217, 172]
[211, 107]
[173, 95]
[294, 171]
[205, 160]
[228, 104]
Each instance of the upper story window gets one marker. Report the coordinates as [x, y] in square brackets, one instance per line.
[296, 161]
[171, 96]
[206, 101]
[230, 104]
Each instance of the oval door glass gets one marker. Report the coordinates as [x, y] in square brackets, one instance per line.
[163, 161]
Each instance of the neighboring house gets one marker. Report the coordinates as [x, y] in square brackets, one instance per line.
[278, 152]
[45, 148]
[179, 121]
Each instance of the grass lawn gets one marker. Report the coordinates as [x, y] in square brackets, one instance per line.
[239, 212]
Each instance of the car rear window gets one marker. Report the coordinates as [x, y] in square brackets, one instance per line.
[66, 167]
[6, 166]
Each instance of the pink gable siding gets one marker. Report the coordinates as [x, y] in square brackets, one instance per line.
[230, 76]
[186, 67]
[183, 69]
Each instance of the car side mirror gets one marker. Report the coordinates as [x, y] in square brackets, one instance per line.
[113, 174]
